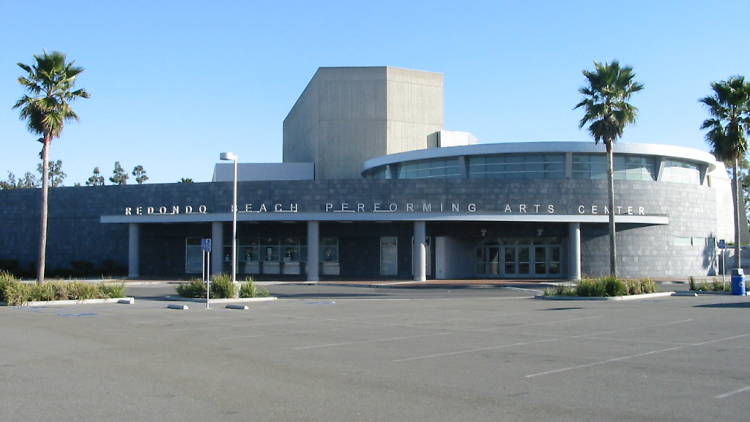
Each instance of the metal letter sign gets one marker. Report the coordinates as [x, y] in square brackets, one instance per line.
[722, 244]
[206, 245]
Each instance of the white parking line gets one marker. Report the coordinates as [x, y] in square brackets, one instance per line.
[555, 338]
[480, 349]
[347, 343]
[602, 362]
[731, 393]
[621, 358]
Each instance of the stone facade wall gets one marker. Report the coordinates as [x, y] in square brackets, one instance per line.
[75, 231]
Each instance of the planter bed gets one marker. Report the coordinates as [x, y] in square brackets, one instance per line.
[629, 297]
[121, 300]
[221, 300]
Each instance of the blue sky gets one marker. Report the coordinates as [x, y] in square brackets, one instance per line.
[174, 83]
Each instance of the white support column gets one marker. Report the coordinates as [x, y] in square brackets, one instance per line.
[574, 254]
[217, 247]
[134, 242]
[313, 253]
[420, 253]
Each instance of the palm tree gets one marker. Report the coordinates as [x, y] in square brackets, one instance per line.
[729, 108]
[607, 111]
[50, 83]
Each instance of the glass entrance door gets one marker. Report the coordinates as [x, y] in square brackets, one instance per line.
[524, 258]
[510, 262]
[524, 263]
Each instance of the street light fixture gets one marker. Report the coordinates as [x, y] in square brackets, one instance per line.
[230, 156]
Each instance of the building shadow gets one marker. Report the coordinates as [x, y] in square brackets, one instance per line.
[737, 305]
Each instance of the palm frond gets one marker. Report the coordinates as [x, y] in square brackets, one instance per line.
[605, 105]
[49, 83]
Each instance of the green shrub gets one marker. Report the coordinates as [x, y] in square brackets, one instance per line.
[44, 291]
[691, 279]
[714, 286]
[16, 292]
[633, 287]
[590, 288]
[80, 291]
[222, 287]
[561, 291]
[249, 289]
[637, 287]
[648, 285]
[112, 290]
[601, 287]
[6, 276]
[5, 279]
[195, 288]
[614, 287]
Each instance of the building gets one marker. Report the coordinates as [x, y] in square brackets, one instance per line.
[372, 186]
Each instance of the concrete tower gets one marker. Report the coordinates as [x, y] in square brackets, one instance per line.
[347, 115]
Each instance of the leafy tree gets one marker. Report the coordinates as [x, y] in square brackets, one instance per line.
[185, 180]
[10, 183]
[607, 111]
[56, 174]
[729, 122]
[26, 182]
[50, 82]
[140, 174]
[95, 179]
[119, 177]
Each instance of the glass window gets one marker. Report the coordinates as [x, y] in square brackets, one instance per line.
[627, 167]
[193, 255]
[439, 168]
[680, 172]
[329, 249]
[517, 166]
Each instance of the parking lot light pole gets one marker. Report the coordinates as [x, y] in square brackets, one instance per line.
[230, 156]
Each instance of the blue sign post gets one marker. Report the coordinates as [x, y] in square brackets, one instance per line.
[206, 246]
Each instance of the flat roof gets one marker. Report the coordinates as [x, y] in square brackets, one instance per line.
[672, 151]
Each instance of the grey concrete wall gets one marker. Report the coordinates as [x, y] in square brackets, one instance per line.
[77, 234]
[348, 115]
[414, 109]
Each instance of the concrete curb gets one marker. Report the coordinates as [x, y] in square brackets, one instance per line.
[218, 301]
[121, 300]
[614, 298]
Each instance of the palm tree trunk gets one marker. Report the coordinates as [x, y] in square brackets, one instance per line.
[43, 213]
[737, 225]
[611, 200]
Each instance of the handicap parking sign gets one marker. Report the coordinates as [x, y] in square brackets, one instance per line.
[206, 245]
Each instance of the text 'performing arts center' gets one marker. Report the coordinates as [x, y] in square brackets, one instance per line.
[371, 186]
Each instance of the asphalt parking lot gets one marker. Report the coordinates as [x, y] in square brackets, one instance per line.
[395, 354]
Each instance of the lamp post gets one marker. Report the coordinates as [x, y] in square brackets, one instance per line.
[230, 156]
